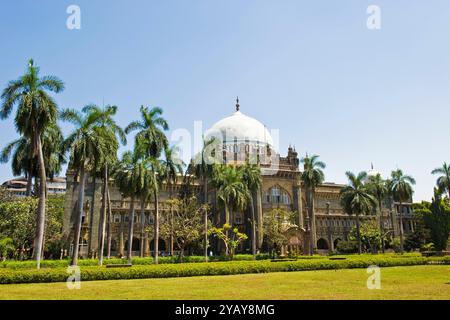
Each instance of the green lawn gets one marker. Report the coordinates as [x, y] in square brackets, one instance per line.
[415, 282]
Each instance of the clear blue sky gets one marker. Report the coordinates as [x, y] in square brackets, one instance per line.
[310, 68]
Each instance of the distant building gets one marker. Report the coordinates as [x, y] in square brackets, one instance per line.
[18, 186]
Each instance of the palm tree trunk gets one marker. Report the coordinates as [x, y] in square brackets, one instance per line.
[171, 240]
[156, 228]
[130, 231]
[205, 201]
[39, 239]
[252, 206]
[76, 240]
[108, 250]
[358, 234]
[91, 217]
[29, 183]
[102, 225]
[401, 227]
[381, 225]
[142, 242]
[206, 235]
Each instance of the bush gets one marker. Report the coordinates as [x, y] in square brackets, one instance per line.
[207, 269]
[347, 246]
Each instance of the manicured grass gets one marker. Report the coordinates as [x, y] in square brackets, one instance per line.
[412, 282]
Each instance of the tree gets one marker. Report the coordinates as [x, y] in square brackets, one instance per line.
[172, 167]
[36, 111]
[151, 141]
[105, 121]
[24, 163]
[6, 247]
[356, 200]
[232, 192]
[203, 169]
[402, 191]
[370, 236]
[88, 143]
[443, 182]
[252, 177]
[437, 220]
[187, 222]
[312, 176]
[377, 187]
[130, 178]
[276, 223]
[231, 243]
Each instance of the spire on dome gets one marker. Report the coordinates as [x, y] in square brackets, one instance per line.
[237, 104]
[371, 165]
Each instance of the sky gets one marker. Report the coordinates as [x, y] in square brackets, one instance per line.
[312, 69]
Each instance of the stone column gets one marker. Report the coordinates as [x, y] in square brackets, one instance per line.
[298, 204]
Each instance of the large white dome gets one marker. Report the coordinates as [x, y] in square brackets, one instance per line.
[240, 128]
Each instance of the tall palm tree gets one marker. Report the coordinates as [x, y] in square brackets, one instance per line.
[36, 111]
[202, 168]
[402, 190]
[443, 182]
[105, 120]
[252, 177]
[87, 144]
[173, 167]
[312, 176]
[376, 185]
[130, 180]
[232, 192]
[356, 199]
[151, 141]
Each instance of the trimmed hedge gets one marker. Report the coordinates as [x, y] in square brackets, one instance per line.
[202, 269]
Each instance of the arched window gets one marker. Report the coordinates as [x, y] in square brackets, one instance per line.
[277, 195]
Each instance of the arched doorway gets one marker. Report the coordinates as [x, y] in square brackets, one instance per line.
[322, 244]
[336, 242]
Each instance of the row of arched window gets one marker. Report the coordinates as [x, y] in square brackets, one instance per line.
[276, 195]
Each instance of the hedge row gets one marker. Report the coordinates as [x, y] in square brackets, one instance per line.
[31, 264]
[200, 269]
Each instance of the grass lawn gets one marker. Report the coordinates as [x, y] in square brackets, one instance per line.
[414, 282]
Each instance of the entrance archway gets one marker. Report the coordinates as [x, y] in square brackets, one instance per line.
[322, 244]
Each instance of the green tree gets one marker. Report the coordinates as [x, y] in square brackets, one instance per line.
[6, 247]
[370, 236]
[437, 220]
[443, 182]
[36, 111]
[88, 143]
[312, 176]
[151, 141]
[105, 121]
[131, 178]
[402, 191]
[376, 185]
[230, 242]
[276, 223]
[252, 177]
[356, 200]
[232, 192]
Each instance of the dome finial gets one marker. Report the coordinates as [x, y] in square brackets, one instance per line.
[237, 104]
[371, 165]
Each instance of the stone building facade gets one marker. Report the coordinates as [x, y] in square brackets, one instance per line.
[241, 138]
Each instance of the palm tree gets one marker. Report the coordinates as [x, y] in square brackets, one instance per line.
[203, 170]
[130, 180]
[252, 177]
[173, 166]
[36, 111]
[232, 192]
[443, 182]
[402, 191]
[87, 144]
[378, 188]
[312, 176]
[356, 199]
[151, 141]
[105, 120]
